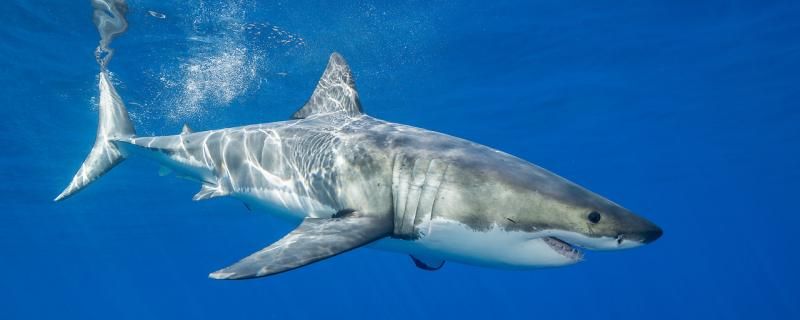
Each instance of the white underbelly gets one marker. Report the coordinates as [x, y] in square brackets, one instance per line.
[442, 238]
[454, 241]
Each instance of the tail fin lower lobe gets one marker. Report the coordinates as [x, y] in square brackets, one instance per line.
[114, 124]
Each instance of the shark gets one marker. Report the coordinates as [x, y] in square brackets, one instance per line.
[349, 180]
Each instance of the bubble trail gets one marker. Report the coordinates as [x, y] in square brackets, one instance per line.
[109, 17]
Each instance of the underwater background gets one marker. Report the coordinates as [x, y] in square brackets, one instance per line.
[685, 112]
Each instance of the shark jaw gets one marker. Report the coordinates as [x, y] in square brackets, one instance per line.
[564, 248]
[578, 240]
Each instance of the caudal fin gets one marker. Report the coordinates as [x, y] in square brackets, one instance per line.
[114, 125]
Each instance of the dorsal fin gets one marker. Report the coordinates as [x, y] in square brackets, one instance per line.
[186, 129]
[335, 92]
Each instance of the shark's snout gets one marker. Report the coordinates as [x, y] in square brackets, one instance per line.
[617, 229]
[636, 231]
[648, 234]
[653, 235]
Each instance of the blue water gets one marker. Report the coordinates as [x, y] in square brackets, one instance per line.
[684, 111]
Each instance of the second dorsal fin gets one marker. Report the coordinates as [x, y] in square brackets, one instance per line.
[335, 92]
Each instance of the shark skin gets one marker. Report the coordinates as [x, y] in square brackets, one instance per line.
[351, 180]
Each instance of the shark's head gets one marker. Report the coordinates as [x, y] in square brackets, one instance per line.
[553, 217]
[571, 217]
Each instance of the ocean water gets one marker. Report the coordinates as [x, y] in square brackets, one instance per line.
[683, 111]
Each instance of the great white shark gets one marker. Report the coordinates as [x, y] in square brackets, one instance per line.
[351, 180]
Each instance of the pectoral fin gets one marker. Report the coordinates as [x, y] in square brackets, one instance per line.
[315, 239]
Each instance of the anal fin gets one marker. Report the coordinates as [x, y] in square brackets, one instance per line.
[313, 240]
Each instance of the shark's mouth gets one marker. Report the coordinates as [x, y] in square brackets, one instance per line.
[563, 248]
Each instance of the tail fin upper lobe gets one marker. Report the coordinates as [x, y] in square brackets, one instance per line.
[114, 125]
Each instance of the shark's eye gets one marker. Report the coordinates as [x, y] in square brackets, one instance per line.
[594, 217]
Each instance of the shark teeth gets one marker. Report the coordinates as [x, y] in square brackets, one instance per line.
[563, 248]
